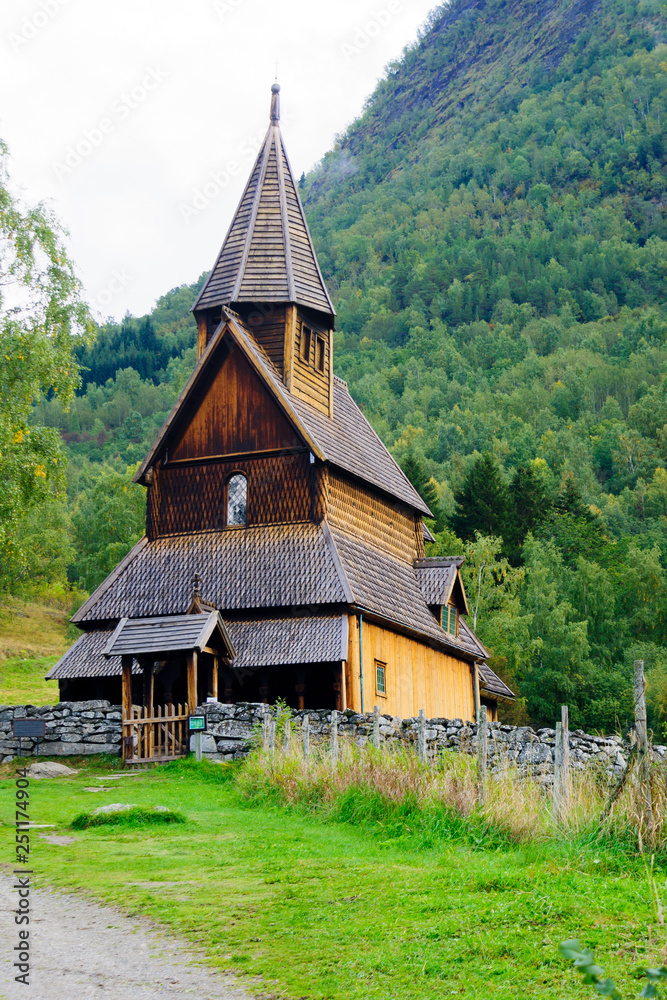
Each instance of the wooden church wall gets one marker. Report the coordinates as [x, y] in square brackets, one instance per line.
[307, 382]
[233, 414]
[192, 497]
[417, 676]
[266, 322]
[373, 518]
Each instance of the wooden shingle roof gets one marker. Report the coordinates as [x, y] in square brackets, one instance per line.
[169, 634]
[86, 659]
[258, 642]
[282, 565]
[290, 639]
[268, 254]
[438, 576]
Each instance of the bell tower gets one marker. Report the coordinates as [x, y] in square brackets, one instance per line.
[267, 272]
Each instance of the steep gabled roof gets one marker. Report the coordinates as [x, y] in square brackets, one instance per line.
[440, 581]
[268, 254]
[346, 439]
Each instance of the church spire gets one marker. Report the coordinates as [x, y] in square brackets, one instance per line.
[268, 255]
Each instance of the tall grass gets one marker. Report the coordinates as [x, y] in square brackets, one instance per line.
[392, 787]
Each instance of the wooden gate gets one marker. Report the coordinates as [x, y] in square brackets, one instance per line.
[155, 736]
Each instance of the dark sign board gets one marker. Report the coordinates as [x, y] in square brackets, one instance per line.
[197, 723]
[29, 729]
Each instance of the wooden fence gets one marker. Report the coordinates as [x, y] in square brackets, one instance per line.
[157, 736]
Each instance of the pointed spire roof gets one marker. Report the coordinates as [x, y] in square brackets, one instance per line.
[268, 254]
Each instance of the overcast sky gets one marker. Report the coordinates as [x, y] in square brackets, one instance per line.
[139, 120]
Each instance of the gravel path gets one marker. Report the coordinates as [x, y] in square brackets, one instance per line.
[81, 951]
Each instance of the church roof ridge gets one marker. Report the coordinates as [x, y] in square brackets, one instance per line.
[268, 253]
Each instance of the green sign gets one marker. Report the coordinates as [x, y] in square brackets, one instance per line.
[196, 723]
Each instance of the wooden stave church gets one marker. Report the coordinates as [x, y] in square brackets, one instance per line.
[324, 592]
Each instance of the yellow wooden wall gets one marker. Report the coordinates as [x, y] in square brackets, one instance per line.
[417, 676]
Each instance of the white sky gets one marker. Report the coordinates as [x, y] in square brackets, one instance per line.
[158, 95]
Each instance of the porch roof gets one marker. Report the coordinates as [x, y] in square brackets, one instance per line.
[169, 634]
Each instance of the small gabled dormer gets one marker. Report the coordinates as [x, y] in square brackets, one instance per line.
[442, 587]
[267, 272]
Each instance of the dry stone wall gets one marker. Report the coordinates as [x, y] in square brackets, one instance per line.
[89, 727]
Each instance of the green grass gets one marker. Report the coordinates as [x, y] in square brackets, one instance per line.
[22, 681]
[336, 910]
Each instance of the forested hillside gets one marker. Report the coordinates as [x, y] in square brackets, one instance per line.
[493, 232]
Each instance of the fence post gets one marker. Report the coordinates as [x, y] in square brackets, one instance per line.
[642, 743]
[286, 734]
[482, 754]
[334, 737]
[558, 774]
[305, 726]
[265, 729]
[272, 736]
[376, 727]
[421, 735]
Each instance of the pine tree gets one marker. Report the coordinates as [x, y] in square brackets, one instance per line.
[482, 502]
[529, 505]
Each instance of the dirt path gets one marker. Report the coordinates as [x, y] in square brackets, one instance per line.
[81, 951]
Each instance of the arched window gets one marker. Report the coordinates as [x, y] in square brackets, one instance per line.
[237, 499]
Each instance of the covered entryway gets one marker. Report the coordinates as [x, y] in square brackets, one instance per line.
[170, 650]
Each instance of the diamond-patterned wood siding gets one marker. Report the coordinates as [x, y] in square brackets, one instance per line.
[187, 498]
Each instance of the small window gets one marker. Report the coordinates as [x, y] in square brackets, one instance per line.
[237, 499]
[450, 619]
[306, 342]
[381, 678]
[320, 354]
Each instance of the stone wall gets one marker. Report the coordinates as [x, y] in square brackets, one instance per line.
[88, 727]
[71, 728]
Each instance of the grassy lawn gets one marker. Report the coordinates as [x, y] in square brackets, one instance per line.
[32, 638]
[329, 910]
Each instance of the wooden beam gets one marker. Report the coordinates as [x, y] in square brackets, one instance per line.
[202, 325]
[214, 677]
[126, 662]
[329, 371]
[343, 685]
[192, 681]
[149, 685]
[290, 346]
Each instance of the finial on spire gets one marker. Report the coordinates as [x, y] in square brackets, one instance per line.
[275, 103]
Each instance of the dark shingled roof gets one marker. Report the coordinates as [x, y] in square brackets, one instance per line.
[258, 642]
[85, 659]
[268, 255]
[169, 634]
[260, 567]
[490, 683]
[388, 587]
[346, 439]
[267, 642]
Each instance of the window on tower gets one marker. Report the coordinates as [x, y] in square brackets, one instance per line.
[306, 343]
[319, 354]
[237, 499]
